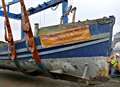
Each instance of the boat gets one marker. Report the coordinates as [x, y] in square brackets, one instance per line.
[74, 49]
[81, 39]
[67, 47]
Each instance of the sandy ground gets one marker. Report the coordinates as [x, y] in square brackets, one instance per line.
[15, 79]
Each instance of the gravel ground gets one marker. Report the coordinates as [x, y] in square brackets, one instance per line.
[15, 79]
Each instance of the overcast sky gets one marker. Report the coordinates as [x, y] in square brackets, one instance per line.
[86, 9]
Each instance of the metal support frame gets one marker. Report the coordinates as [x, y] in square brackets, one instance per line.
[47, 5]
[11, 3]
[64, 8]
[37, 9]
[11, 15]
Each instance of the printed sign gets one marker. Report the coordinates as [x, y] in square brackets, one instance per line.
[67, 36]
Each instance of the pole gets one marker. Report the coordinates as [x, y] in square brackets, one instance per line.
[64, 8]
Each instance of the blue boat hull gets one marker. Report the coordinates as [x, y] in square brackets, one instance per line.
[98, 45]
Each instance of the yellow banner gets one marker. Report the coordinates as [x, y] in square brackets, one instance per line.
[67, 36]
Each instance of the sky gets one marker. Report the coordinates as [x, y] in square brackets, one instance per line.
[86, 9]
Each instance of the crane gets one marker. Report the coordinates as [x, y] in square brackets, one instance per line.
[37, 9]
[29, 39]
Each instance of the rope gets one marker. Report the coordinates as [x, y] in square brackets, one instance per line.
[54, 8]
